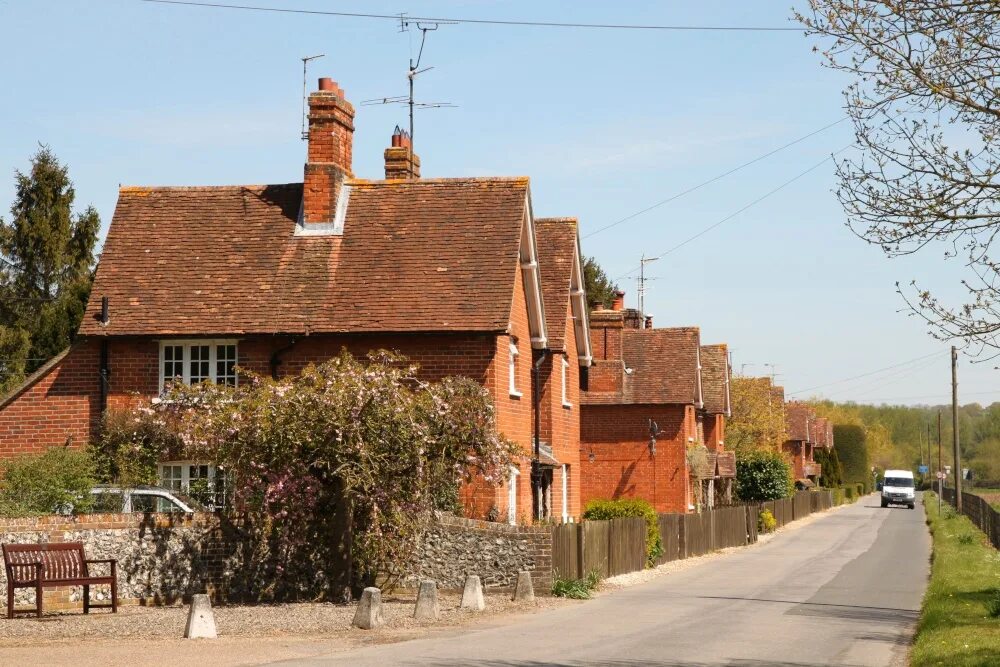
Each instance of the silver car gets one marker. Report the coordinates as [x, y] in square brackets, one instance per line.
[142, 498]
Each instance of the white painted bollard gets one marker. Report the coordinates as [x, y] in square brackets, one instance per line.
[369, 613]
[472, 595]
[201, 620]
[523, 590]
[427, 602]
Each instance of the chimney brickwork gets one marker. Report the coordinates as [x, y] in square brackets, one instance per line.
[331, 138]
[401, 163]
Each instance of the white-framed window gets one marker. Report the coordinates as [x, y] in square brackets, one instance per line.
[201, 481]
[512, 370]
[194, 361]
[512, 495]
[565, 373]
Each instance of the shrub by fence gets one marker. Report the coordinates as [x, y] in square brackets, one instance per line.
[618, 546]
[980, 512]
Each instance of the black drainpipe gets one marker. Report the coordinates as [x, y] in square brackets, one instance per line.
[105, 371]
[536, 469]
[276, 358]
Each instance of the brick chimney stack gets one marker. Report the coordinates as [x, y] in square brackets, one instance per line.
[400, 160]
[331, 136]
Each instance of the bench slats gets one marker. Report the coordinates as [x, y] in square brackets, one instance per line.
[62, 564]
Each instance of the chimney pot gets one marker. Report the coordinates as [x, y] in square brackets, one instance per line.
[619, 301]
[326, 83]
[649, 321]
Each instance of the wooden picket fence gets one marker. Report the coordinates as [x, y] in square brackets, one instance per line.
[618, 546]
[980, 512]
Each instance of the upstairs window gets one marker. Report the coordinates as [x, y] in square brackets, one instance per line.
[512, 370]
[192, 362]
[565, 373]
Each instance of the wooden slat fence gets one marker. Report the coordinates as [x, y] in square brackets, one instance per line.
[618, 546]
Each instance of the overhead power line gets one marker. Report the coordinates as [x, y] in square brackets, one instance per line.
[497, 22]
[713, 180]
[864, 375]
[742, 209]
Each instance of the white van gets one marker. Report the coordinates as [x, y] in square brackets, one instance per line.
[897, 488]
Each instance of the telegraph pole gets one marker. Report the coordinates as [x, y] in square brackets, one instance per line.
[940, 466]
[954, 429]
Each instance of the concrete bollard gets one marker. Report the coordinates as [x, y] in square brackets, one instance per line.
[472, 595]
[201, 620]
[427, 608]
[523, 590]
[369, 613]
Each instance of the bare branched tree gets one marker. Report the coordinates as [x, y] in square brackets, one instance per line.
[926, 112]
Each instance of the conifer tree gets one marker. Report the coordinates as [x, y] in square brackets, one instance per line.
[46, 267]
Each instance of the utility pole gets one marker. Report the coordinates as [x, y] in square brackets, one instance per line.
[954, 429]
[940, 466]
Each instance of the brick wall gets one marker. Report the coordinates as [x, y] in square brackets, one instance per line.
[618, 437]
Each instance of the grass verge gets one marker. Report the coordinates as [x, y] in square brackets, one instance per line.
[956, 627]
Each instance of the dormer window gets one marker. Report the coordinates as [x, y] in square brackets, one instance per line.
[195, 361]
[565, 373]
[512, 370]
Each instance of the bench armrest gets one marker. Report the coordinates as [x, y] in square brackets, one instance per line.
[101, 560]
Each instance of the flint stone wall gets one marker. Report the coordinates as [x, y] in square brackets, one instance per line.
[453, 547]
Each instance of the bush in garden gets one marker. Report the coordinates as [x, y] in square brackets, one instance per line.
[603, 510]
[763, 475]
[56, 481]
[766, 523]
[335, 472]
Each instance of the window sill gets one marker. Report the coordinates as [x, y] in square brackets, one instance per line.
[568, 406]
[516, 394]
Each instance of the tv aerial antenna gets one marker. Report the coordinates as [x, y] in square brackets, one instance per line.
[305, 93]
[642, 280]
[413, 72]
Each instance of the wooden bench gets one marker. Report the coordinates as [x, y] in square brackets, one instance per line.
[45, 565]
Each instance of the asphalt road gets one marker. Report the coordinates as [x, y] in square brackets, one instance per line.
[842, 590]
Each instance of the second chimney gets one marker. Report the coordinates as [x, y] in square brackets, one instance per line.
[331, 138]
[400, 160]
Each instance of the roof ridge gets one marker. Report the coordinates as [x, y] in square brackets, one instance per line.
[362, 182]
[200, 188]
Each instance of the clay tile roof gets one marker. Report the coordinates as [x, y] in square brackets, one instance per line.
[797, 417]
[714, 375]
[726, 462]
[556, 248]
[664, 365]
[425, 255]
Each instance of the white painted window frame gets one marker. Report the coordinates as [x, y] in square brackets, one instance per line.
[512, 370]
[185, 478]
[186, 345]
[565, 372]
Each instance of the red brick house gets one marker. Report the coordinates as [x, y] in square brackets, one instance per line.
[449, 272]
[640, 411]
[720, 473]
[800, 420]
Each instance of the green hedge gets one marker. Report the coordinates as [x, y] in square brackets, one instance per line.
[849, 493]
[58, 480]
[838, 496]
[603, 510]
[762, 476]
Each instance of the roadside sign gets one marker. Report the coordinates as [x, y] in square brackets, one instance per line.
[941, 475]
[923, 470]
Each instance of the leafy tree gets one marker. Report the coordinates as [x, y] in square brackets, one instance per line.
[600, 289]
[758, 416]
[60, 479]
[833, 471]
[763, 475]
[46, 262]
[925, 105]
[850, 443]
[334, 472]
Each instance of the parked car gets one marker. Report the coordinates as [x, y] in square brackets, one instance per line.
[897, 488]
[143, 498]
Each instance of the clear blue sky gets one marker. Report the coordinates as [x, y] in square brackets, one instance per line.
[604, 122]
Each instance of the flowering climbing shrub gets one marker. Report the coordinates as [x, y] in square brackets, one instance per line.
[335, 472]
